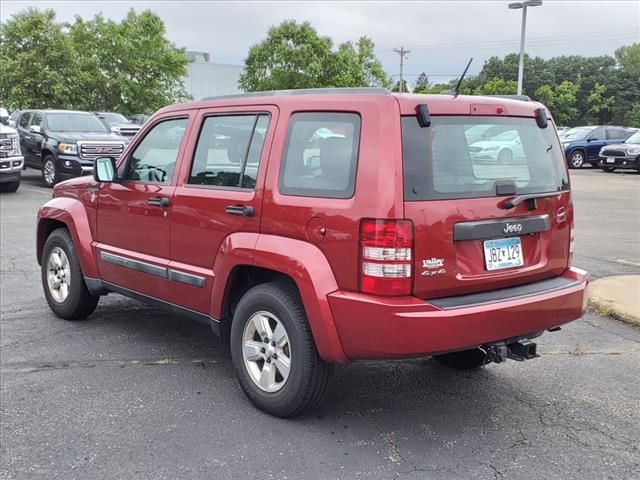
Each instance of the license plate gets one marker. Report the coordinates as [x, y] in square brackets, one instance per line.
[503, 253]
[611, 160]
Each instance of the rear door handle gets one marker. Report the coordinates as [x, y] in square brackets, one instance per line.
[159, 202]
[244, 210]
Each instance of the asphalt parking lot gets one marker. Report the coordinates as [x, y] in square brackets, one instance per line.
[134, 393]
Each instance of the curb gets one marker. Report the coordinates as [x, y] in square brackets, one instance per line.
[617, 297]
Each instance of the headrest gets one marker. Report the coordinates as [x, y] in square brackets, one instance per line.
[335, 158]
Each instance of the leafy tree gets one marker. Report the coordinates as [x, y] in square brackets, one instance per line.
[545, 95]
[600, 105]
[405, 87]
[564, 105]
[422, 84]
[36, 61]
[633, 116]
[497, 86]
[294, 56]
[98, 64]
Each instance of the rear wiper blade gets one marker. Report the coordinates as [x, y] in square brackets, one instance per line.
[530, 197]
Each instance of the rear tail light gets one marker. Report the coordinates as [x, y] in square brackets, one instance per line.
[386, 254]
[572, 237]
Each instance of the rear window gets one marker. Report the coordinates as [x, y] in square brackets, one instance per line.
[465, 156]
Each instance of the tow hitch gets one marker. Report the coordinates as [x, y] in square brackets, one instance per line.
[519, 351]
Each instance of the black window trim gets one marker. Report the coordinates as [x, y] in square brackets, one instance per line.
[322, 193]
[127, 159]
[239, 188]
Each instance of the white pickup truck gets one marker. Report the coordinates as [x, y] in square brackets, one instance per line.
[11, 159]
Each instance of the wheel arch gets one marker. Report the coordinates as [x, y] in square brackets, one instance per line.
[274, 258]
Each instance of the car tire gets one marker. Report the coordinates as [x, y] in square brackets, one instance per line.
[9, 187]
[607, 169]
[49, 174]
[464, 360]
[576, 159]
[59, 267]
[293, 381]
[505, 157]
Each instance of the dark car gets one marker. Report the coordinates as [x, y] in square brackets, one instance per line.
[582, 144]
[139, 118]
[118, 123]
[621, 156]
[63, 143]
[326, 227]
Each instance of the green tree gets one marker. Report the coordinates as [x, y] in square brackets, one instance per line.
[545, 95]
[405, 87]
[36, 61]
[600, 105]
[497, 86]
[295, 56]
[625, 85]
[97, 64]
[130, 66]
[564, 104]
[422, 84]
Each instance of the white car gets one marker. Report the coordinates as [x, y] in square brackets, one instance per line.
[502, 149]
[11, 159]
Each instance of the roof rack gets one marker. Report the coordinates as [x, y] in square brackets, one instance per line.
[523, 98]
[308, 91]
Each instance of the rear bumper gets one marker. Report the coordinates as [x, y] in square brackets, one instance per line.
[379, 327]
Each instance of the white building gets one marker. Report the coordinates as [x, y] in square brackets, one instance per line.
[205, 79]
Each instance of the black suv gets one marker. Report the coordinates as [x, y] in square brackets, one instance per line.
[63, 144]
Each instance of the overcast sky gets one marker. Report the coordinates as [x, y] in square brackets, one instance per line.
[441, 35]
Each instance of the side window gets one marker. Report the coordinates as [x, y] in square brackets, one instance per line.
[597, 134]
[229, 150]
[24, 120]
[321, 155]
[154, 159]
[616, 134]
[36, 119]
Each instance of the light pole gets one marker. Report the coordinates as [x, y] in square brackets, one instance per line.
[523, 6]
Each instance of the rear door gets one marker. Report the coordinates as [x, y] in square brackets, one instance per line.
[466, 238]
[219, 193]
[596, 140]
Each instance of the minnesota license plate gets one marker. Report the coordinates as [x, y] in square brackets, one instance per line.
[503, 253]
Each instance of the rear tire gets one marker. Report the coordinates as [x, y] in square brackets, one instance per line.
[576, 160]
[9, 187]
[464, 360]
[271, 312]
[62, 279]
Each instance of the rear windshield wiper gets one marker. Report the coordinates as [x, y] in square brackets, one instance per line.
[529, 197]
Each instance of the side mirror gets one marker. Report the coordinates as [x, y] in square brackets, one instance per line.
[104, 169]
[4, 120]
[35, 129]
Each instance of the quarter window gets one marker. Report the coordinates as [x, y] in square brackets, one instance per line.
[36, 120]
[229, 150]
[154, 159]
[321, 155]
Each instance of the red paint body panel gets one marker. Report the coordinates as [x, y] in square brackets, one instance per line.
[407, 326]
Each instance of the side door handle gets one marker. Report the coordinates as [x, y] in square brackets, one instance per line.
[244, 210]
[159, 202]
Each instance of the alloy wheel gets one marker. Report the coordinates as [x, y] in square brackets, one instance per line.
[58, 275]
[577, 159]
[49, 172]
[266, 351]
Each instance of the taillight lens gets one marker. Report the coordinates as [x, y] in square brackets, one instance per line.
[386, 253]
[572, 237]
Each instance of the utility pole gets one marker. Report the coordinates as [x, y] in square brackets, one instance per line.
[402, 52]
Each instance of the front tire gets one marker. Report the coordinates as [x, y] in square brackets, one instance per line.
[576, 160]
[49, 173]
[9, 187]
[62, 279]
[505, 157]
[274, 354]
[464, 360]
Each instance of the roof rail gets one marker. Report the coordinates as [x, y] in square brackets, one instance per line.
[308, 91]
[523, 98]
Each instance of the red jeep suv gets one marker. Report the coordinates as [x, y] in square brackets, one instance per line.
[313, 228]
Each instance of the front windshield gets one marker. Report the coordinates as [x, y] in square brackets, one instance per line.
[578, 133]
[114, 118]
[75, 122]
[635, 138]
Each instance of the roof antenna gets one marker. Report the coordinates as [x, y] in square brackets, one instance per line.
[455, 92]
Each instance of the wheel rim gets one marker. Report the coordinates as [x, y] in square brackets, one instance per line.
[266, 352]
[577, 159]
[49, 172]
[58, 275]
[505, 157]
